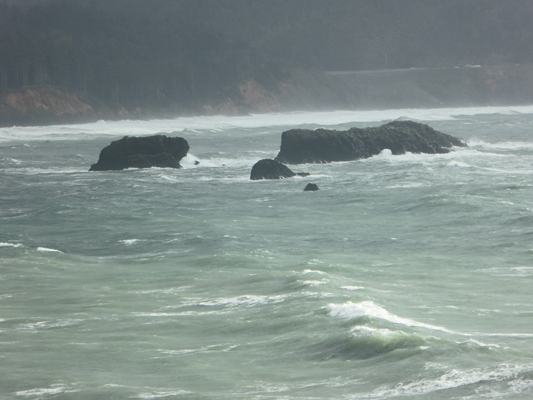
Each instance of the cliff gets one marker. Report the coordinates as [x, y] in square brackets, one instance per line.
[43, 106]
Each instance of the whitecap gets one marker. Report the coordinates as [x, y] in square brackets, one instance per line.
[49, 324]
[161, 394]
[352, 287]
[173, 290]
[129, 242]
[385, 153]
[449, 380]
[53, 390]
[190, 161]
[247, 301]
[10, 244]
[312, 271]
[200, 125]
[315, 283]
[48, 250]
[460, 164]
[369, 309]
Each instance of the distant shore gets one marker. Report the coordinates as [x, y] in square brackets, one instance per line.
[461, 86]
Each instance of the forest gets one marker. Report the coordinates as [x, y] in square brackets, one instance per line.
[180, 54]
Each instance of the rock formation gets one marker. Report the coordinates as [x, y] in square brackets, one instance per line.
[311, 187]
[270, 169]
[142, 152]
[320, 146]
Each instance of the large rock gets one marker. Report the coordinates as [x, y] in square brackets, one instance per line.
[320, 146]
[142, 152]
[270, 169]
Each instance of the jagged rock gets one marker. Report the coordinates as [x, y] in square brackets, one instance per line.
[270, 169]
[300, 146]
[142, 152]
[311, 187]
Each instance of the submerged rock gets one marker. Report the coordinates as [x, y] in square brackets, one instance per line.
[300, 146]
[270, 169]
[142, 152]
[311, 187]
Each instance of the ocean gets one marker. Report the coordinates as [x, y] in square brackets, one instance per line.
[403, 277]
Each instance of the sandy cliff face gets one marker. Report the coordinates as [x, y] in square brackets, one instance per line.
[42, 105]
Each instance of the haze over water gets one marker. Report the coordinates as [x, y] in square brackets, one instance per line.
[403, 276]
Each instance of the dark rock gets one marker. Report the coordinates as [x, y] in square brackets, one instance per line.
[311, 187]
[142, 152]
[270, 169]
[300, 146]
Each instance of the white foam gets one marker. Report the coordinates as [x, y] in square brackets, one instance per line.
[130, 242]
[49, 324]
[352, 287]
[315, 283]
[161, 394]
[190, 161]
[460, 164]
[247, 301]
[200, 125]
[385, 153]
[47, 250]
[451, 379]
[312, 271]
[505, 145]
[369, 309]
[10, 244]
[53, 390]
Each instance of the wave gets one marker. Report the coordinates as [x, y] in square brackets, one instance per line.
[367, 309]
[455, 378]
[201, 125]
[51, 391]
[15, 245]
[476, 142]
[47, 250]
[161, 394]
[364, 343]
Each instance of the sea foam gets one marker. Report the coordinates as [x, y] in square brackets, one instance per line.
[369, 309]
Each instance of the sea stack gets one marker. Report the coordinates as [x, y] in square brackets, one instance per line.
[142, 152]
[300, 146]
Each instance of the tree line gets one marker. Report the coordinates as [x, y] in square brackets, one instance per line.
[181, 53]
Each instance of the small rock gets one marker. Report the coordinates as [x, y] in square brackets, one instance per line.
[270, 169]
[311, 187]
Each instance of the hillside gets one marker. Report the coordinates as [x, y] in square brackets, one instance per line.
[146, 58]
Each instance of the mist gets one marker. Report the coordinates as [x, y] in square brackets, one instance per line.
[143, 59]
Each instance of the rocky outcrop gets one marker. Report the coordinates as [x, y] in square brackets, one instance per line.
[42, 106]
[142, 152]
[270, 169]
[311, 187]
[320, 146]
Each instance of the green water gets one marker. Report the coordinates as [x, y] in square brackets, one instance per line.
[403, 276]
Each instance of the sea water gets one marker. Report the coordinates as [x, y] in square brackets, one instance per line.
[403, 276]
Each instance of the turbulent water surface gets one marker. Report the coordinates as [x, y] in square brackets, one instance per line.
[403, 276]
